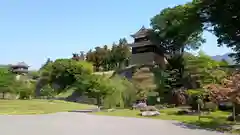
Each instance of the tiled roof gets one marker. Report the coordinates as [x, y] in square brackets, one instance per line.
[20, 64]
[142, 32]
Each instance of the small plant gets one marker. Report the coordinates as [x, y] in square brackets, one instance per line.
[210, 106]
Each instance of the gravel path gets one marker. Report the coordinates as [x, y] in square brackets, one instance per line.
[70, 123]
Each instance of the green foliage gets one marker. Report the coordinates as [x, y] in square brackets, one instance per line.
[222, 19]
[210, 106]
[111, 93]
[109, 59]
[170, 78]
[204, 69]
[123, 93]
[63, 72]
[195, 92]
[193, 96]
[160, 77]
[24, 88]
[178, 28]
[7, 81]
[47, 91]
[46, 65]
[34, 74]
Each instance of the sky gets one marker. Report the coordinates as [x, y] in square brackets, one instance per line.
[35, 30]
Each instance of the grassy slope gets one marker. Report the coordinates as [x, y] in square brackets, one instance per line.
[142, 77]
[212, 121]
[65, 94]
[38, 106]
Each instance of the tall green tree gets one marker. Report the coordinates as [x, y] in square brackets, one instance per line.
[97, 57]
[222, 18]
[109, 59]
[7, 82]
[63, 72]
[122, 52]
[205, 69]
[178, 28]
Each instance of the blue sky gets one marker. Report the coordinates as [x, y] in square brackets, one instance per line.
[34, 30]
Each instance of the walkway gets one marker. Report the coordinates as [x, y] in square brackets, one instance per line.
[71, 123]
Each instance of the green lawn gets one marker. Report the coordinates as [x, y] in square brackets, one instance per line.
[215, 120]
[38, 106]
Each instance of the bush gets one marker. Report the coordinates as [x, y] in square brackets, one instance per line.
[25, 89]
[65, 72]
[47, 91]
[194, 101]
[195, 92]
[182, 112]
[86, 66]
[109, 92]
[121, 93]
[210, 106]
[225, 106]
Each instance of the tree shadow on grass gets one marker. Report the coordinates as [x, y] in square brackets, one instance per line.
[218, 124]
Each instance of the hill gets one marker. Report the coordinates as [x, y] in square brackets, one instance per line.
[225, 56]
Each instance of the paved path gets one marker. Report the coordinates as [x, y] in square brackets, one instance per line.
[85, 124]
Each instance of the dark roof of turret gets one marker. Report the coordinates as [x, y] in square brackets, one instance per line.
[141, 33]
[20, 65]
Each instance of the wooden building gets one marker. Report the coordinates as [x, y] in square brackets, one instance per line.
[145, 50]
[19, 68]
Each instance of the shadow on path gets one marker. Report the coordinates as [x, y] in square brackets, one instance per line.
[209, 126]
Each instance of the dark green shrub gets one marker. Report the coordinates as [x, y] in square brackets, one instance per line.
[225, 106]
[182, 112]
[194, 101]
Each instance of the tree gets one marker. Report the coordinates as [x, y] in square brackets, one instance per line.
[109, 59]
[7, 82]
[34, 74]
[45, 64]
[222, 18]
[93, 86]
[24, 88]
[178, 28]
[78, 57]
[123, 52]
[204, 69]
[97, 57]
[62, 72]
[109, 92]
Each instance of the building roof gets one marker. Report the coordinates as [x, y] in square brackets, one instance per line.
[20, 65]
[141, 33]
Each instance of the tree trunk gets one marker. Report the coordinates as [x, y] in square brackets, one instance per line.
[234, 112]
[3, 95]
[98, 100]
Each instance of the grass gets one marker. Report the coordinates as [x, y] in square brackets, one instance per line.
[65, 94]
[213, 121]
[12, 107]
